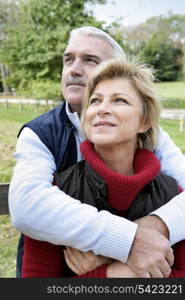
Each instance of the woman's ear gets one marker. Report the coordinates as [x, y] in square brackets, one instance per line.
[144, 127]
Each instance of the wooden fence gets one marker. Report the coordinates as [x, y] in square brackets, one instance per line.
[4, 187]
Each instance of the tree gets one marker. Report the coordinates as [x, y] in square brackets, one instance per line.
[8, 12]
[160, 41]
[165, 56]
[34, 47]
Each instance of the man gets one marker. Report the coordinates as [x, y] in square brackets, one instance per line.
[51, 142]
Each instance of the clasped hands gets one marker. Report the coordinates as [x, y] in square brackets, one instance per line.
[150, 256]
[81, 262]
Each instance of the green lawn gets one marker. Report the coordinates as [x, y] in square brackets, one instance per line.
[173, 94]
[173, 90]
[11, 121]
[172, 127]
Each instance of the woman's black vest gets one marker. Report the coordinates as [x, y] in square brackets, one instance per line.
[83, 183]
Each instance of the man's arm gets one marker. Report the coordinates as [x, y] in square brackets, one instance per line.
[171, 158]
[170, 218]
[43, 212]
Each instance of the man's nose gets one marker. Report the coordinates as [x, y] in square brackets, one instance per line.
[77, 68]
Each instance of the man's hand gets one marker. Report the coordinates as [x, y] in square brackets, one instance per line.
[81, 262]
[151, 254]
[154, 222]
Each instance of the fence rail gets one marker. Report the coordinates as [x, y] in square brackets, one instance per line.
[4, 209]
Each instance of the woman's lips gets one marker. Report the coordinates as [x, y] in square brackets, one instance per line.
[104, 123]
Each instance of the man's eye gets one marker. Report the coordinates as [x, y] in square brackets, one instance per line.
[122, 100]
[94, 101]
[92, 61]
[67, 60]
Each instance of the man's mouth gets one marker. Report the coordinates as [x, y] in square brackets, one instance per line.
[75, 81]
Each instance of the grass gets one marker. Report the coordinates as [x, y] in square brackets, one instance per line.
[172, 93]
[172, 127]
[11, 120]
[173, 90]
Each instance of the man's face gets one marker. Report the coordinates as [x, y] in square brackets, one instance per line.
[81, 56]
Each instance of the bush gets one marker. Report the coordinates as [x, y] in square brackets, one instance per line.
[47, 90]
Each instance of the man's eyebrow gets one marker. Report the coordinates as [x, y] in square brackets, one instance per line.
[67, 54]
[92, 56]
[85, 55]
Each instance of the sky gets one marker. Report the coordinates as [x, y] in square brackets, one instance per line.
[134, 12]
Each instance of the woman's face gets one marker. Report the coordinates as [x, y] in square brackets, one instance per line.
[114, 114]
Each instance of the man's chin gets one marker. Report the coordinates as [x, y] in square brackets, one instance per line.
[75, 104]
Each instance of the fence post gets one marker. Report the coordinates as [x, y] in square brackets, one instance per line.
[182, 123]
[7, 103]
[21, 105]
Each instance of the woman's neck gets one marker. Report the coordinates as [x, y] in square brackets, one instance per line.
[119, 159]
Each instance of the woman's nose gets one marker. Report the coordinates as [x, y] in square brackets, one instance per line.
[104, 107]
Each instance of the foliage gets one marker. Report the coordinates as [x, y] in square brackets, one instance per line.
[8, 14]
[160, 41]
[35, 89]
[34, 33]
[165, 56]
[34, 46]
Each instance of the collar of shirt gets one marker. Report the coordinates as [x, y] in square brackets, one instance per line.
[74, 118]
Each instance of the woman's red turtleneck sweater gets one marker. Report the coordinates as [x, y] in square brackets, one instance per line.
[42, 259]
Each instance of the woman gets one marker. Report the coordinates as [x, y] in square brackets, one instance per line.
[119, 172]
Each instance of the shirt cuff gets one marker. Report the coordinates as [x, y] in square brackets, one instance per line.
[118, 238]
[173, 217]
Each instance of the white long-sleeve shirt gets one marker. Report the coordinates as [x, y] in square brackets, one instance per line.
[41, 211]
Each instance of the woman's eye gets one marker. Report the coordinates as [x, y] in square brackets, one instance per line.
[94, 101]
[121, 100]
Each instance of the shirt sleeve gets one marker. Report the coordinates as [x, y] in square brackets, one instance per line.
[173, 164]
[171, 158]
[173, 215]
[43, 212]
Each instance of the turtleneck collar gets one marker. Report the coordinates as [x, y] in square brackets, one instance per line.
[122, 189]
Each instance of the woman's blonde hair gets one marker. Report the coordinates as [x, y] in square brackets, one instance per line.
[142, 78]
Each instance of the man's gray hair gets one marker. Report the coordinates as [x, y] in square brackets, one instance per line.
[96, 32]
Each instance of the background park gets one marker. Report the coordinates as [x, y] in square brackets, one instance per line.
[33, 35]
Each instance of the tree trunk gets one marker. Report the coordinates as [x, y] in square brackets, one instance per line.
[4, 74]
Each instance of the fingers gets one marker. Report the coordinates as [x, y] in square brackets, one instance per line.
[161, 270]
[166, 269]
[146, 275]
[170, 257]
[74, 260]
[82, 262]
[70, 264]
[150, 254]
